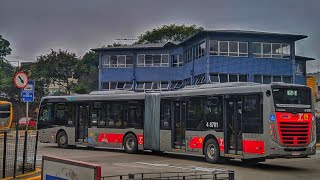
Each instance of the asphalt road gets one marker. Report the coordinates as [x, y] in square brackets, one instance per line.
[116, 162]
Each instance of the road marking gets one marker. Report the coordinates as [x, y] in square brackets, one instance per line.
[193, 168]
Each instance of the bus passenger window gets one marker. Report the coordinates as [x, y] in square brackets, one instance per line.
[165, 114]
[196, 108]
[135, 115]
[61, 114]
[214, 113]
[252, 115]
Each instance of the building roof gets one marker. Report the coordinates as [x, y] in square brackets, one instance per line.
[304, 58]
[139, 46]
[294, 37]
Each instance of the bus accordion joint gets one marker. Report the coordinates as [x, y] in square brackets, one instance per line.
[6, 116]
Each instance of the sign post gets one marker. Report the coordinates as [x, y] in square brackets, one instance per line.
[27, 95]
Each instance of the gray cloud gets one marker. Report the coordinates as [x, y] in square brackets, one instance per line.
[35, 26]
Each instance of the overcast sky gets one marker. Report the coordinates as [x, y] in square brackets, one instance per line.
[33, 27]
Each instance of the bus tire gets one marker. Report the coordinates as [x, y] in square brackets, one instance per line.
[62, 139]
[212, 151]
[130, 144]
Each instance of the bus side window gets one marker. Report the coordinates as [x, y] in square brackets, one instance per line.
[165, 114]
[214, 113]
[251, 114]
[61, 114]
[195, 113]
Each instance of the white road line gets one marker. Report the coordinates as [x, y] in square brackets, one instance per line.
[193, 168]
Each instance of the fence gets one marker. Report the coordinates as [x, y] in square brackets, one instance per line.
[213, 175]
[18, 150]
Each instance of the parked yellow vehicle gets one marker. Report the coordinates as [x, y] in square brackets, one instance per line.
[6, 116]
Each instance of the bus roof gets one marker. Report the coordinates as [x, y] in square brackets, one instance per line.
[204, 89]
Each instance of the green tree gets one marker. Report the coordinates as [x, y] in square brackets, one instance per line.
[167, 33]
[57, 67]
[87, 73]
[4, 48]
[6, 69]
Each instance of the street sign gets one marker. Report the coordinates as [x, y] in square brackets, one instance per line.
[20, 80]
[27, 94]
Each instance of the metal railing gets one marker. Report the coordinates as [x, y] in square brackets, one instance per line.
[213, 175]
[18, 152]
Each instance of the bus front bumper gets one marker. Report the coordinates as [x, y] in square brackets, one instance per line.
[277, 151]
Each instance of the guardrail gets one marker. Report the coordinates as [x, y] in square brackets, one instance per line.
[213, 175]
[18, 152]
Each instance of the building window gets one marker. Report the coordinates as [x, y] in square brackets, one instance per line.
[267, 79]
[176, 85]
[117, 61]
[228, 48]
[223, 78]
[188, 54]
[276, 78]
[153, 60]
[143, 86]
[271, 50]
[177, 60]
[299, 68]
[116, 85]
[200, 79]
[187, 82]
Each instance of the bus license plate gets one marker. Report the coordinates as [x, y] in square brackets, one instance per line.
[295, 153]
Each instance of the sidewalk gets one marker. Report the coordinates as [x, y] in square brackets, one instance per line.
[29, 175]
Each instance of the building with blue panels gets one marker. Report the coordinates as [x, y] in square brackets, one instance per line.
[215, 56]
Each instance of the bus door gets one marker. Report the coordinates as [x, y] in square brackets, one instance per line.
[179, 124]
[83, 122]
[233, 127]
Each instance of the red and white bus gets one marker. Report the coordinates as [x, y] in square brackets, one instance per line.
[247, 121]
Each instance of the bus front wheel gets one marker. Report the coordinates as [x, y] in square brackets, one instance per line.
[62, 140]
[130, 144]
[212, 151]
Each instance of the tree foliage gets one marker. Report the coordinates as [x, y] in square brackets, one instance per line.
[167, 33]
[87, 73]
[6, 69]
[4, 47]
[57, 67]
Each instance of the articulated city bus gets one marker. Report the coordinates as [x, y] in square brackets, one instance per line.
[247, 121]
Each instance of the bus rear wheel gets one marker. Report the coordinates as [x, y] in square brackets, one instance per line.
[212, 151]
[62, 140]
[130, 144]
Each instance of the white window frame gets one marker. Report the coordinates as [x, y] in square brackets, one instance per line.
[179, 62]
[273, 56]
[117, 65]
[166, 88]
[238, 53]
[161, 64]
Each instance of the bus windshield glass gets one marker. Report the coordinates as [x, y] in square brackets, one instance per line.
[292, 97]
[4, 110]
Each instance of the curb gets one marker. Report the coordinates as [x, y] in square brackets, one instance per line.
[34, 178]
[38, 170]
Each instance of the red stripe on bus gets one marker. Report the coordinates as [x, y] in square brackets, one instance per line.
[253, 147]
[116, 138]
[196, 143]
[221, 144]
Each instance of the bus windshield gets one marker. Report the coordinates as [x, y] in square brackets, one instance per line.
[4, 110]
[292, 97]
